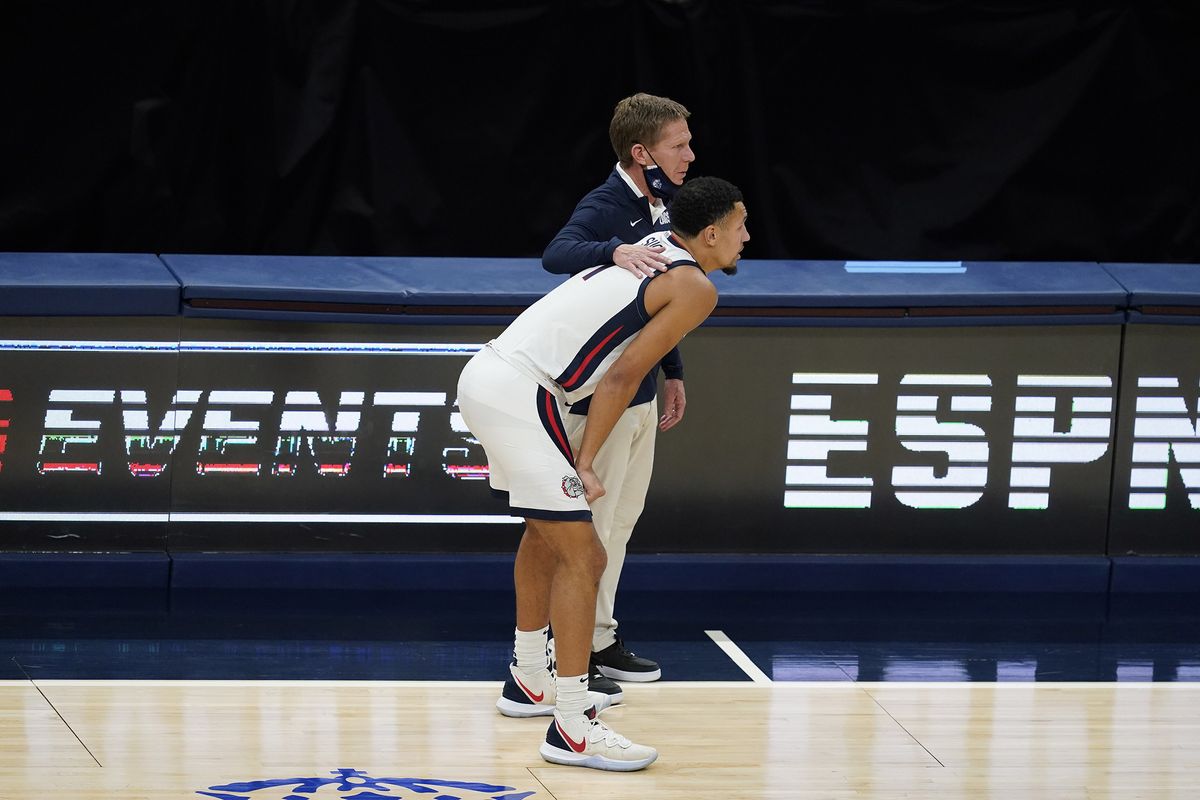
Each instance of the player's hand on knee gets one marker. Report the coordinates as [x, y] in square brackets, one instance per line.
[641, 261]
[593, 489]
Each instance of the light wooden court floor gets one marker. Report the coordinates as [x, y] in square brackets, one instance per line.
[124, 740]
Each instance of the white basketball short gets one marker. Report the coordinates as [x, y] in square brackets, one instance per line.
[520, 426]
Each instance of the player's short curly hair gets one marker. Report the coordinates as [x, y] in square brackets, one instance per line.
[702, 202]
[639, 120]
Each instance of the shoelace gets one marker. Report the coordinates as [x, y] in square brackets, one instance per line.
[611, 737]
[622, 649]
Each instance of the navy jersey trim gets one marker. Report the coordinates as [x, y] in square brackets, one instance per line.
[557, 516]
[625, 323]
[683, 261]
[547, 408]
[597, 271]
[640, 300]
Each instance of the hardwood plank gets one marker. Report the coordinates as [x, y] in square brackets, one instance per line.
[33, 736]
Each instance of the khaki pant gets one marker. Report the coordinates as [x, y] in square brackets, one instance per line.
[624, 465]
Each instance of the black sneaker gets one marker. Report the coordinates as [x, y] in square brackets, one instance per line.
[597, 682]
[615, 661]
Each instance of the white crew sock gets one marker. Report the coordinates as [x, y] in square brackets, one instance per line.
[572, 696]
[530, 649]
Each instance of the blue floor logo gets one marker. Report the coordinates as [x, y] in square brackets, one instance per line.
[352, 784]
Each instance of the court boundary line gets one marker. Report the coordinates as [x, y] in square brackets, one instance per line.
[739, 657]
[867, 691]
[57, 713]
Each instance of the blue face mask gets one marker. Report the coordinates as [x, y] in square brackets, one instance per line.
[658, 182]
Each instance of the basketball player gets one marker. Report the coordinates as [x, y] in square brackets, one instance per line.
[652, 142]
[594, 337]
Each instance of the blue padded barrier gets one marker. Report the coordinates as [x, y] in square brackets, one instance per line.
[285, 279]
[917, 294]
[84, 570]
[838, 284]
[763, 293]
[329, 571]
[118, 284]
[673, 572]
[310, 288]
[86, 284]
[478, 281]
[1160, 293]
[1155, 574]
[721, 572]
[861, 573]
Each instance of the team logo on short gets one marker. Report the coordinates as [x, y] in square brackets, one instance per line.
[572, 486]
[352, 783]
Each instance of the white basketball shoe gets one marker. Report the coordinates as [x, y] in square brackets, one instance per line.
[585, 741]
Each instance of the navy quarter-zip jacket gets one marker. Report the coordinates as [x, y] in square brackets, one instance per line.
[606, 218]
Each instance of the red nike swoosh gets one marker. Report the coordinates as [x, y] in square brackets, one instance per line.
[578, 747]
[537, 698]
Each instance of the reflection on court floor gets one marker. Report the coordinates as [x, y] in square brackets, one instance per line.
[465, 636]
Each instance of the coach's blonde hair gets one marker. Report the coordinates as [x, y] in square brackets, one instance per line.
[639, 120]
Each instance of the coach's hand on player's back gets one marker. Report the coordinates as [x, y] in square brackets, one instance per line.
[593, 489]
[642, 261]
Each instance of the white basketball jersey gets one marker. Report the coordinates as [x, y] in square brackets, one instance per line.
[567, 340]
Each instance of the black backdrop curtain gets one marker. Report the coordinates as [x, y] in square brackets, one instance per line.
[919, 129]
